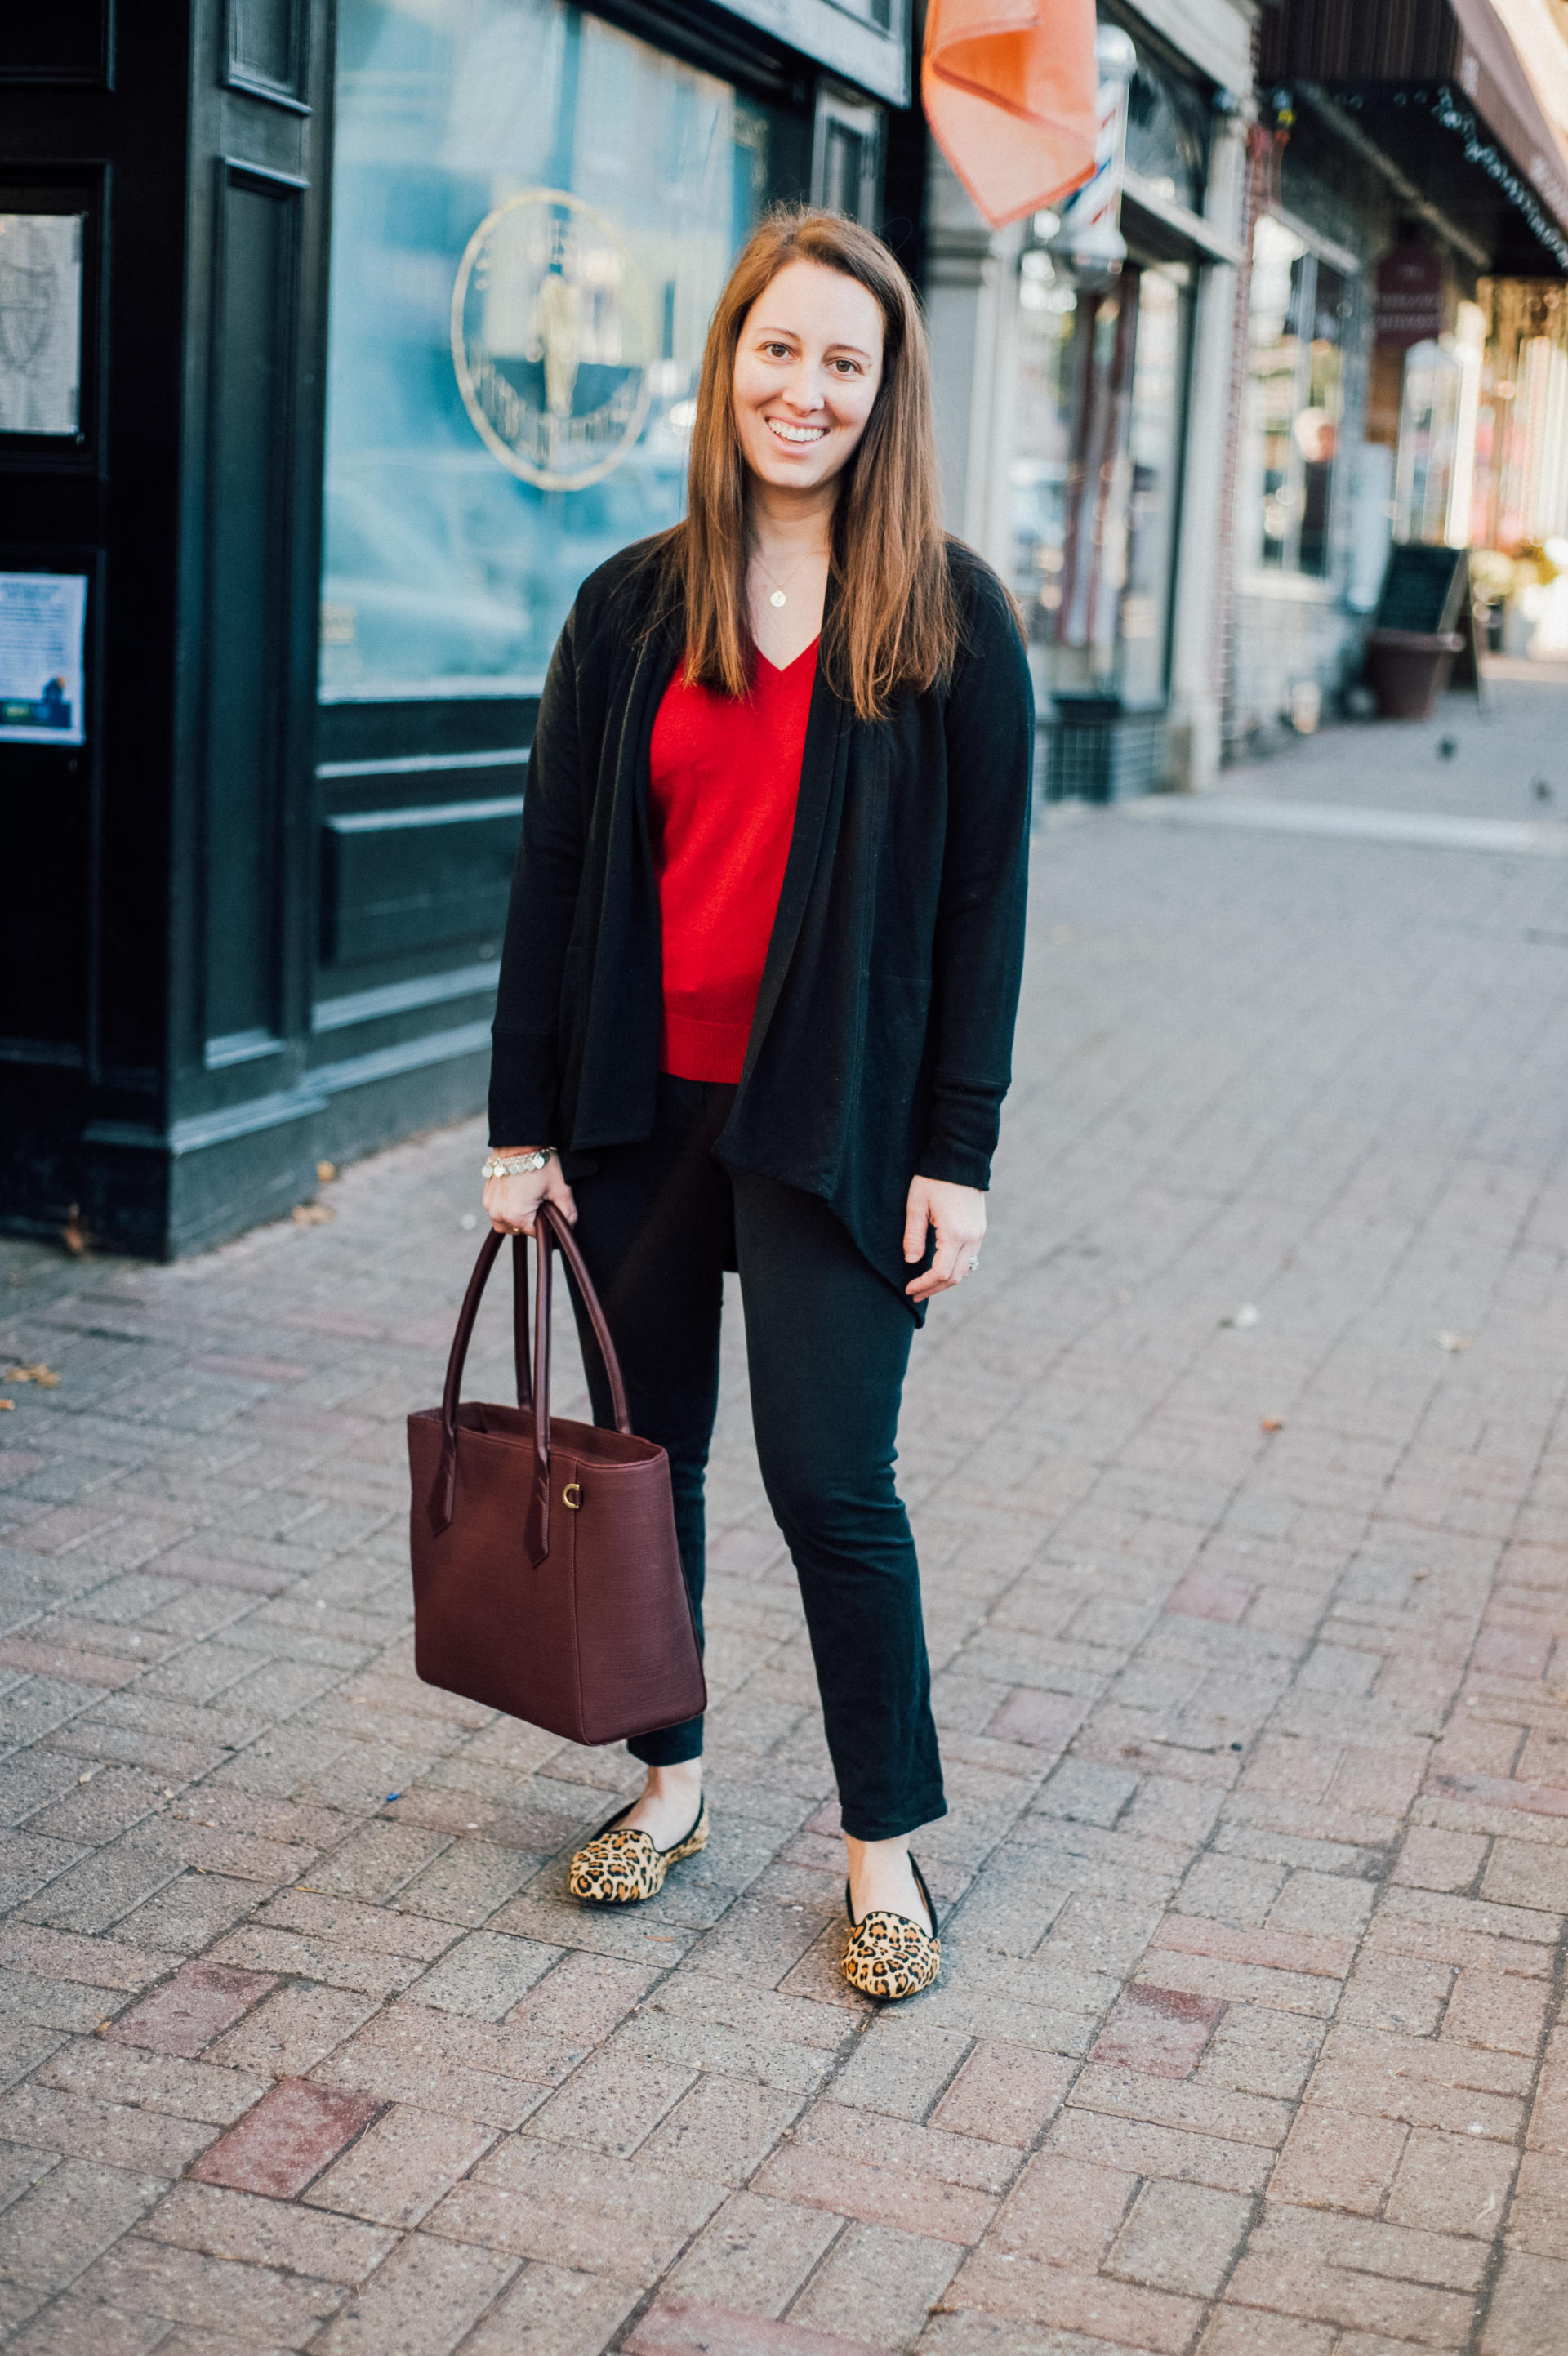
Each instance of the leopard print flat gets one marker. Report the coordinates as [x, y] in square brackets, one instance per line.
[888, 1956]
[618, 1867]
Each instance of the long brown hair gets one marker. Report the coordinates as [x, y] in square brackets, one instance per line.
[894, 622]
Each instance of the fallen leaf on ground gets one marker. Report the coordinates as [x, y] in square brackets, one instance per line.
[1454, 1341]
[45, 1379]
[1273, 1423]
[326, 1172]
[5, 1404]
[73, 1235]
[311, 1214]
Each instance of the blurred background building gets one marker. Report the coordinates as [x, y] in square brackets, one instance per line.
[380, 321]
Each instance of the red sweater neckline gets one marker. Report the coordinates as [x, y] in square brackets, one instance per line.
[782, 671]
[724, 774]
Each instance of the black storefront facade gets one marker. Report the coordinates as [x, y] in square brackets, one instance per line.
[383, 317]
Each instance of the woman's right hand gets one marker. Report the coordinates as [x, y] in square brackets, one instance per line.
[511, 1203]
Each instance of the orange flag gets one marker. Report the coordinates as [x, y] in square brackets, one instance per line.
[1009, 89]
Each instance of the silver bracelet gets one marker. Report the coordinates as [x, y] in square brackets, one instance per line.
[518, 1164]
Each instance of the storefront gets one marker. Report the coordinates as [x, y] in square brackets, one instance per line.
[1104, 369]
[389, 317]
[1398, 165]
[1085, 444]
[1312, 518]
[534, 211]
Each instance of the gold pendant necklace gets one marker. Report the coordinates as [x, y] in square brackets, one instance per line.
[778, 597]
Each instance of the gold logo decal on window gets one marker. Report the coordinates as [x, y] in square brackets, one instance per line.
[553, 339]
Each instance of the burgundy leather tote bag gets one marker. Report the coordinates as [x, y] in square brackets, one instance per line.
[546, 1577]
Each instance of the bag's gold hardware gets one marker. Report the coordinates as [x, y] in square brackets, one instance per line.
[571, 1494]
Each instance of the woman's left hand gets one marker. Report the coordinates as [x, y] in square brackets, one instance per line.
[958, 1215]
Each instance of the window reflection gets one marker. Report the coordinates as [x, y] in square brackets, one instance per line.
[1152, 489]
[445, 572]
[1095, 480]
[1295, 400]
[1167, 134]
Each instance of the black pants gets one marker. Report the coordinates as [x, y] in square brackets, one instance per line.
[827, 1342]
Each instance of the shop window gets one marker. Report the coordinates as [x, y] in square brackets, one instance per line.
[1295, 399]
[1154, 427]
[1439, 418]
[1096, 476]
[1167, 134]
[846, 154]
[484, 455]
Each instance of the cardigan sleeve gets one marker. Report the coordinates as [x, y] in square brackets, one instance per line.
[525, 1050]
[977, 949]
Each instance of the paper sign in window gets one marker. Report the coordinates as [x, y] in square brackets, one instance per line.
[41, 322]
[41, 619]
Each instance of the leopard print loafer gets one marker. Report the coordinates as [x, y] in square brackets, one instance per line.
[888, 1956]
[618, 1867]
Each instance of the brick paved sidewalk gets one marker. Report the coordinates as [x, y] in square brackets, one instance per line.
[1247, 1639]
[1490, 762]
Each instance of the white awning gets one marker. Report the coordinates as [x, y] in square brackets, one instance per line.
[1217, 35]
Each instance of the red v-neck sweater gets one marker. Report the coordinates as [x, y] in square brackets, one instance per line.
[723, 777]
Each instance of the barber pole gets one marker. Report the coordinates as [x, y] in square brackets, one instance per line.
[1089, 239]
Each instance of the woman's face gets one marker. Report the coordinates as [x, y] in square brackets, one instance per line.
[806, 372]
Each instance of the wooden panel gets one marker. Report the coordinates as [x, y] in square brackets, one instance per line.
[482, 759]
[398, 880]
[44, 967]
[361, 732]
[264, 49]
[49, 861]
[251, 391]
[63, 41]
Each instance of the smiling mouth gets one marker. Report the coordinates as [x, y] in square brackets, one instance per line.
[799, 437]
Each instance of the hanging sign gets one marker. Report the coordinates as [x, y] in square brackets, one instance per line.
[553, 340]
[1413, 302]
[41, 619]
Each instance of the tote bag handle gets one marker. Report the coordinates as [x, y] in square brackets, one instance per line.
[551, 1228]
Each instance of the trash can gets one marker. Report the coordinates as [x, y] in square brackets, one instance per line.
[1407, 670]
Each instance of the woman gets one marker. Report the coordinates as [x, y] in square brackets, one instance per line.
[758, 988]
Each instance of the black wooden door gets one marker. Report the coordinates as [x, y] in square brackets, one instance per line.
[159, 906]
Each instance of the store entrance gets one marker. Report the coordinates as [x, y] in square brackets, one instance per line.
[1096, 503]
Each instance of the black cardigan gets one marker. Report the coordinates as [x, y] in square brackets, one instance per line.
[883, 1036]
